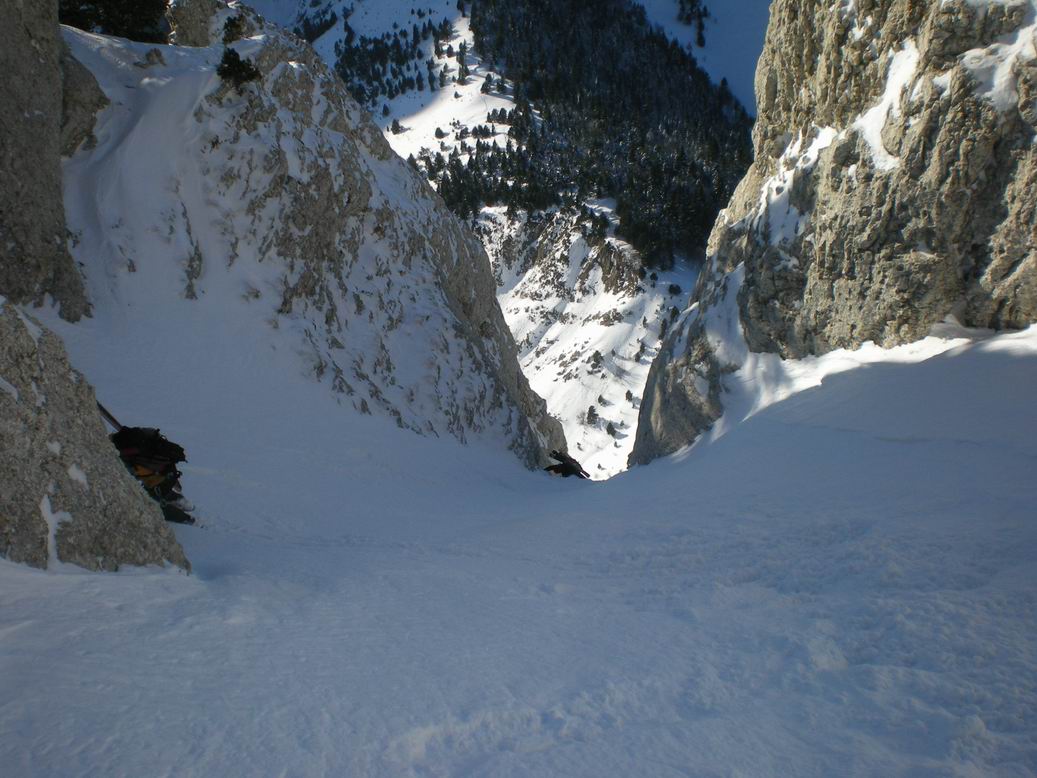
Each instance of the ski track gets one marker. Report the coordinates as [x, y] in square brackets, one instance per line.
[843, 584]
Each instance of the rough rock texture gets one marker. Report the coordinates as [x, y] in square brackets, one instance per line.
[893, 186]
[286, 185]
[546, 243]
[34, 261]
[82, 99]
[66, 495]
[191, 21]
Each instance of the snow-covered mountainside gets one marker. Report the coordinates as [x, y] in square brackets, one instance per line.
[560, 318]
[733, 34]
[844, 584]
[587, 318]
[840, 580]
[276, 215]
[893, 187]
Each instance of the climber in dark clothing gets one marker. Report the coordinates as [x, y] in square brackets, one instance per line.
[567, 466]
[153, 459]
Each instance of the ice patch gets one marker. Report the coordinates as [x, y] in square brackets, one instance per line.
[41, 398]
[77, 475]
[35, 331]
[777, 215]
[54, 520]
[902, 69]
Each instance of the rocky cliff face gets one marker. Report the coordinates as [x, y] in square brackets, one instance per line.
[893, 186]
[66, 495]
[34, 260]
[279, 202]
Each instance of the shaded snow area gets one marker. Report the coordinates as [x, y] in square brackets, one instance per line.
[586, 325]
[734, 34]
[842, 584]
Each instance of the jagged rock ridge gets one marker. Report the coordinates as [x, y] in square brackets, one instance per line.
[893, 186]
[281, 200]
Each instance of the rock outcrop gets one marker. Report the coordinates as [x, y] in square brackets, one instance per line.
[81, 101]
[191, 21]
[283, 189]
[66, 496]
[34, 260]
[893, 186]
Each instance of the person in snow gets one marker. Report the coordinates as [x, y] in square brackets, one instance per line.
[566, 467]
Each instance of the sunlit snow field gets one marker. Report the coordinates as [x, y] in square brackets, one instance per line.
[841, 584]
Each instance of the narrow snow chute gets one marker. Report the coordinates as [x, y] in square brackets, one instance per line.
[152, 459]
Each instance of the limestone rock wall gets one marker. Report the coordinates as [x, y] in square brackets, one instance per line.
[893, 186]
[66, 496]
[81, 100]
[34, 261]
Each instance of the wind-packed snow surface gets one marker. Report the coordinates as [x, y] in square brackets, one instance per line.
[843, 583]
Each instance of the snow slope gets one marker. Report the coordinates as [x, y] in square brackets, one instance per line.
[278, 217]
[734, 39]
[842, 584]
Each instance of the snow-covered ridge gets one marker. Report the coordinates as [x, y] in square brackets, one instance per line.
[272, 224]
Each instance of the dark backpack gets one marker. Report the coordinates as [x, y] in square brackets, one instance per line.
[147, 446]
[152, 459]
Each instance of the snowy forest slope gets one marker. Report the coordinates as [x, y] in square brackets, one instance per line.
[733, 33]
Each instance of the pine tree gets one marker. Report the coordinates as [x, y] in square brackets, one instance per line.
[236, 70]
[462, 64]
